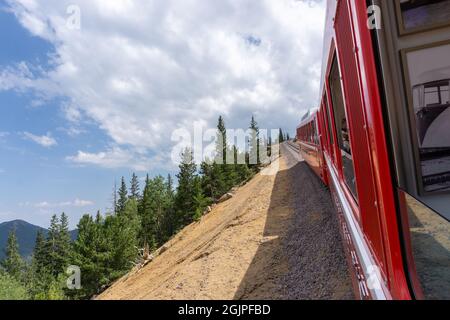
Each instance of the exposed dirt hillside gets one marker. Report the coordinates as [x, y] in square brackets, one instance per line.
[250, 247]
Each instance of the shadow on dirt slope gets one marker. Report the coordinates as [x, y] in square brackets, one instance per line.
[301, 255]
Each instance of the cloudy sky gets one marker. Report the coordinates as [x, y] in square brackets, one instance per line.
[91, 90]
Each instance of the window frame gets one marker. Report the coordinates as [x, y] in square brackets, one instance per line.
[402, 31]
[337, 148]
[411, 116]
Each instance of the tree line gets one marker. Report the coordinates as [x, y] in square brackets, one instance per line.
[108, 246]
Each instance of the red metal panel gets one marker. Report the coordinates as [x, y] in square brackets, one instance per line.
[311, 152]
[370, 218]
[379, 151]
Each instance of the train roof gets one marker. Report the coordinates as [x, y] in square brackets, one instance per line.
[327, 41]
[308, 117]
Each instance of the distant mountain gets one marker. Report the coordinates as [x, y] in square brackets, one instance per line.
[26, 236]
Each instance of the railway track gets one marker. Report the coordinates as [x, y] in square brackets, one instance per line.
[294, 147]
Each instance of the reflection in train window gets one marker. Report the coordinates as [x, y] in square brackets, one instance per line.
[436, 93]
[423, 14]
[429, 76]
[342, 129]
[330, 132]
[430, 243]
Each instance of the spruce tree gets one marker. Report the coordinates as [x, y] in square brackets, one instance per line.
[280, 136]
[254, 160]
[120, 232]
[57, 247]
[123, 196]
[38, 276]
[13, 263]
[134, 187]
[51, 247]
[39, 256]
[200, 200]
[152, 212]
[147, 233]
[185, 205]
[221, 142]
[64, 244]
[241, 169]
[169, 220]
[114, 198]
[269, 147]
[91, 254]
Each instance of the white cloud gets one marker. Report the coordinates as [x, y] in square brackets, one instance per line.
[117, 157]
[46, 141]
[78, 203]
[141, 69]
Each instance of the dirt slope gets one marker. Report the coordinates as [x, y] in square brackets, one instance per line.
[243, 250]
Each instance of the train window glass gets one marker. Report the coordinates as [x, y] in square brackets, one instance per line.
[418, 15]
[430, 244]
[316, 134]
[313, 129]
[427, 70]
[428, 74]
[342, 129]
[330, 132]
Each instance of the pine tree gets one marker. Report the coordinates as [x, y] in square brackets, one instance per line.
[153, 211]
[147, 233]
[13, 263]
[114, 198]
[63, 243]
[123, 196]
[121, 233]
[200, 200]
[169, 220]
[269, 147]
[241, 169]
[254, 160]
[39, 256]
[185, 205]
[214, 179]
[50, 248]
[281, 136]
[57, 246]
[91, 252]
[38, 276]
[221, 142]
[134, 187]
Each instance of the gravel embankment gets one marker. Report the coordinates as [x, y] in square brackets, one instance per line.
[276, 238]
[317, 264]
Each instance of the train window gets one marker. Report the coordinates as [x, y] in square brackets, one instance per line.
[342, 129]
[330, 132]
[313, 137]
[430, 243]
[419, 15]
[428, 71]
[316, 136]
[419, 127]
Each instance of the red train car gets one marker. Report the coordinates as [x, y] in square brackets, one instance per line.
[310, 145]
[381, 141]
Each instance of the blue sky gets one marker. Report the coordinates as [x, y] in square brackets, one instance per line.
[81, 107]
[38, 181]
